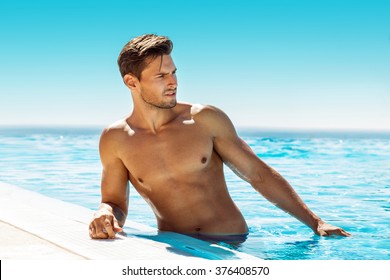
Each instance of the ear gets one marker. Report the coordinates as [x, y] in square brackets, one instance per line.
[130, 81]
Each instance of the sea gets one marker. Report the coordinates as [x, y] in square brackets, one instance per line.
[343, 176]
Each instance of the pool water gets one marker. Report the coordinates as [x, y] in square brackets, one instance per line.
[343, 177]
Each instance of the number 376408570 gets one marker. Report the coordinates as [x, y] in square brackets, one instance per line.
[249, 270]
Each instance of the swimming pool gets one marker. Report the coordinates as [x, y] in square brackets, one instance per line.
[344, 178]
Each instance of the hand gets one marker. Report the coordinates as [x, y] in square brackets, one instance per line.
[104, 225]
[325, 229]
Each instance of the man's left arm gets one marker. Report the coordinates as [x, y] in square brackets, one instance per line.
[267, 181]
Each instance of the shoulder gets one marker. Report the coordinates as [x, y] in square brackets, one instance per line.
[114, 134]
[202, 111]
[117, 129]
[211, 117]
[209, 113]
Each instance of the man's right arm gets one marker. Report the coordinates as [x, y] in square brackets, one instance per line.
[112, 213]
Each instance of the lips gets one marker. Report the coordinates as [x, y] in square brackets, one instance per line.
[170, 93]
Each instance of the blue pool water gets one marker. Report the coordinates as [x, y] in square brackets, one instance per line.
[343, 177]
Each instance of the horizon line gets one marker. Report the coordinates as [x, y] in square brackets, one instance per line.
[239, 128]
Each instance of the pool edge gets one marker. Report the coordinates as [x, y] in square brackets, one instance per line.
[59, 230]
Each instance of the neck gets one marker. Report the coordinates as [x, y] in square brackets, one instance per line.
[151, 118]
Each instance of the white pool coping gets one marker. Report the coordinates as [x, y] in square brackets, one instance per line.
[34, 226]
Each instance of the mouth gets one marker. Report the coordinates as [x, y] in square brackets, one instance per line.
[170, 93]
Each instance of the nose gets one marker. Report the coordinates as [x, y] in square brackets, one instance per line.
[172, 81]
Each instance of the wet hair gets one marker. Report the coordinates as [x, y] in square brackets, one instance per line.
[140, 51]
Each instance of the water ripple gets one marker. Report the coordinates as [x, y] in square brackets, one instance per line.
[346, 181]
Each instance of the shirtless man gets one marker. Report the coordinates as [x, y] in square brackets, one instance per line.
[173, 154]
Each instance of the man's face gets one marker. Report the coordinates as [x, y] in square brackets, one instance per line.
[158, 83]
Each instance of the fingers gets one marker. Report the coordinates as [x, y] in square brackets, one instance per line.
[108, 228]
[322, 233]
[117, 228]
[346, 233]
[96, 232]
[103, 228]
[327, 230]
[339, 231]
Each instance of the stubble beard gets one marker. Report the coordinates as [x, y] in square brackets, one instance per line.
[162, 105]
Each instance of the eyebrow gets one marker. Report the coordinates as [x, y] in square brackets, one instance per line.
[166, 73]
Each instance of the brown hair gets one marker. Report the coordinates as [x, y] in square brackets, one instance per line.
[136, 54]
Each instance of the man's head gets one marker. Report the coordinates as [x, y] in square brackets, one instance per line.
[141, 50]
[149, 72]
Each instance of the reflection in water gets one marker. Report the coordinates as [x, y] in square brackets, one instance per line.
[186, 245]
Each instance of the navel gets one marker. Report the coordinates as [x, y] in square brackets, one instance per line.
[140, 180]
[203, 160]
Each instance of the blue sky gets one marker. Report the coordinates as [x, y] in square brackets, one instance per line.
[268, 64]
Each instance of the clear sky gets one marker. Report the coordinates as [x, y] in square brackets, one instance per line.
[266, 63]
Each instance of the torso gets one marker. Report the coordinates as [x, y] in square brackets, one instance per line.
[178, 172]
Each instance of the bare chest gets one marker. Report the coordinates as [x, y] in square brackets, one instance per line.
[171, 156]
